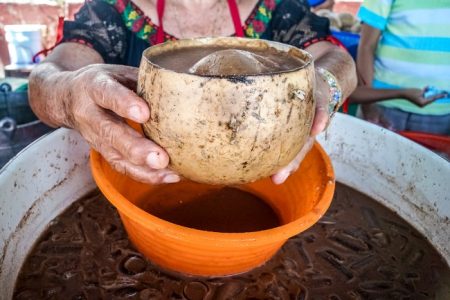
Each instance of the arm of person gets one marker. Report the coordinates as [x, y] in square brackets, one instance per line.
[374, 15]
[339, 63]
[368, 95]
[366, 50]
[290, 28]
[82, 85]
[364, 93]
[75, 89]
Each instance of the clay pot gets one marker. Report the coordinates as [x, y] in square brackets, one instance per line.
[242, 127]
[299, 203]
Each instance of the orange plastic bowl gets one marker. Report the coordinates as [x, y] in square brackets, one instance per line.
[299, 203]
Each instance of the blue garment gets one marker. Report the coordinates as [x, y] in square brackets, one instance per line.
[413, 50]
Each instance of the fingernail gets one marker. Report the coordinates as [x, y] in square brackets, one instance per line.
[135, 113]
[172, 178]
[153, 160]
[282, 177]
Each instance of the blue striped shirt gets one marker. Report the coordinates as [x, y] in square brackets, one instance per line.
[414, 48]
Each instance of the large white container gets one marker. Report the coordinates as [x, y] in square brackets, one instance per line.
[53, 172]
[24, 41]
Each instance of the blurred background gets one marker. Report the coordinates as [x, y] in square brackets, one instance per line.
[47, 12]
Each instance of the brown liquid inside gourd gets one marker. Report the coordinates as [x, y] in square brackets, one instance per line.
[223, 61]
[358, 250]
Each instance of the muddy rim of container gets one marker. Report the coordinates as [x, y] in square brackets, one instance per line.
[235, 41]
[261, 237]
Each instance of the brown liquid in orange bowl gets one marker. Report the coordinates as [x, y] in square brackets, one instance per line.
[298, 204]
[203, 207]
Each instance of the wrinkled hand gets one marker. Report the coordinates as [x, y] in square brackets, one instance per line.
[320, 122]
[416, 96]
[98, 100]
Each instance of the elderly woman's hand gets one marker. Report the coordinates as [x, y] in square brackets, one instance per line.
[335, 71]
[95, 100]
[100, 99]
[321, 95]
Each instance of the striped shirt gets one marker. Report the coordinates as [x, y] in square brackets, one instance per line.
[414, 48]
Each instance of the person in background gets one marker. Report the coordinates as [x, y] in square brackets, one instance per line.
[403, 65]
[87, 83]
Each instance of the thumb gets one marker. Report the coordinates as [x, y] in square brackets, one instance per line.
[321, 116]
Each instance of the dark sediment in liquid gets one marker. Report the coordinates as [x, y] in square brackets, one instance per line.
[221, 210]
[228, 62]
[358, 250]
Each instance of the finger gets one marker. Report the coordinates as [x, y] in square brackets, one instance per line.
[126, 73]
[142, 174]
[110, 94]
[321, 116]
[128, 80]
[435, 97]
[138, 173]
[285, 172]
[134, 147]
[129, 84]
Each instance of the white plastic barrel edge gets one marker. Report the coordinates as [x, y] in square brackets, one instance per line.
[54, 172]
[402, 175]
[36, 186]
